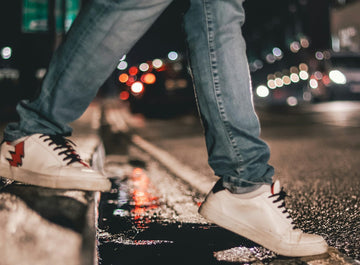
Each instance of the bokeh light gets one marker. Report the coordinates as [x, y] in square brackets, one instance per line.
[122, 65]
[123, 78]
[173, 55]
[262, 91]
[137, 87]
[6, 53]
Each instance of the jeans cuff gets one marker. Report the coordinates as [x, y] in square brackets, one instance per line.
[238, 186]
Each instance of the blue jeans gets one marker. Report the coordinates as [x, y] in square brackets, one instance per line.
[107, 29]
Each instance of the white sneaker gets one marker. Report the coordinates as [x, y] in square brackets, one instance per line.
[261, 216]
[48, 161]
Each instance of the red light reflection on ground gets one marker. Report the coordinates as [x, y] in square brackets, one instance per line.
[142, 198]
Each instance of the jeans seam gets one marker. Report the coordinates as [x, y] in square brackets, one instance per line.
[215, 79]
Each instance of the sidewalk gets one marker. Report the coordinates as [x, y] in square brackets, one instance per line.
[44, 226]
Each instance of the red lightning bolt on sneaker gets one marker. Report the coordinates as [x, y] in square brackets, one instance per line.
[17, 156]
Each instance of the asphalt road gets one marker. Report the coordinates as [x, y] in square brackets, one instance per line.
[150, 216]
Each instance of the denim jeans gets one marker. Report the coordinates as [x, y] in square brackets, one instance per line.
[107, 29]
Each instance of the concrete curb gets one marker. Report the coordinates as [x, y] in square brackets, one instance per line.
[45, 226]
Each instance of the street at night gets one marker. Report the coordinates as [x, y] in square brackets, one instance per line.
[160, 176]
[103, 156]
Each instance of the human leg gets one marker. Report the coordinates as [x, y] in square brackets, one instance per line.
[242, 201]
[224, 96]
[104, 31]
[34, 149]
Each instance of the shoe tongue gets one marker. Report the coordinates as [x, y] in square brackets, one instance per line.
[275, 187]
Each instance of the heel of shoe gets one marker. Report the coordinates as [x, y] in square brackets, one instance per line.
[210, 209]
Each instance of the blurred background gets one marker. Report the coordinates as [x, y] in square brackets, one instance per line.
[304, 59]
[299, 51]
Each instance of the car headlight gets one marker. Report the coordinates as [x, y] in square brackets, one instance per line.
[337, 77]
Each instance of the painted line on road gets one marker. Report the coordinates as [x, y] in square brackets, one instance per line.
[118, 122]
[180, 170]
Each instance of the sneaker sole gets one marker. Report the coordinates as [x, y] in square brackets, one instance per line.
[54, 182]
[209, 210]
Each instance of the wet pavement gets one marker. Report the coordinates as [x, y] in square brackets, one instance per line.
[150, 217]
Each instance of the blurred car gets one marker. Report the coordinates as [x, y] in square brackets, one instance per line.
[337, 77]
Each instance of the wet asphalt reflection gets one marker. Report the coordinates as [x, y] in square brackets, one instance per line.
[142, 223]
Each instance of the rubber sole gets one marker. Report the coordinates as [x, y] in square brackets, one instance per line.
[55, 182]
